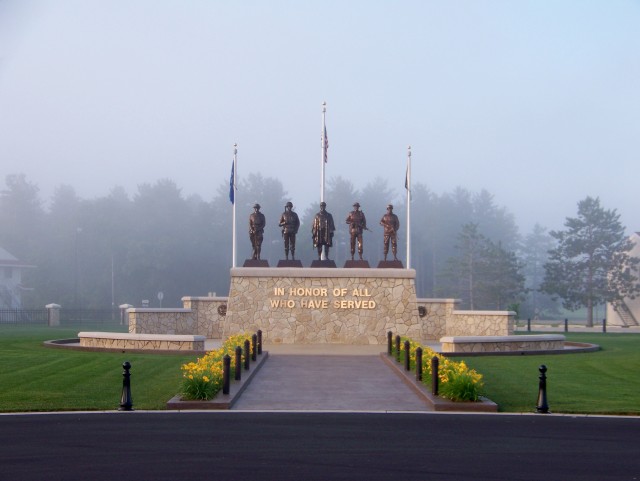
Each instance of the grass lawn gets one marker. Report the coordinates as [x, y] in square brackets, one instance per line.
[38, 378]
[604, 382]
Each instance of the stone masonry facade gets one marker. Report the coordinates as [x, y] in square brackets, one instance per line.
[314, 306]
[480, 323]
[474, 344]
[434, 315]
[200, 316]
[150, 342]
[161, 321]
[209, 314]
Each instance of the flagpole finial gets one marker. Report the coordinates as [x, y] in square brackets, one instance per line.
[324, 106]
[409, 150]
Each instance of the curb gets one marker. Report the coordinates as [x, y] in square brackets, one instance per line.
[221, 401]
[437, 403]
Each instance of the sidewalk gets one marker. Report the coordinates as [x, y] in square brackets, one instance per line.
[323, 349]
[358, 381]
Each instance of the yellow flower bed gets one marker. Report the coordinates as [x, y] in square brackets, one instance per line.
[202, 379]
[456, 381]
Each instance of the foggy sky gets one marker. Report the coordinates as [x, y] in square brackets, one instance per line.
[536, 101]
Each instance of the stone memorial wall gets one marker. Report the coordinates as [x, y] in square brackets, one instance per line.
[313, 306]
[320, 305]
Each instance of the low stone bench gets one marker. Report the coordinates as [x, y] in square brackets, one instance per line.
[144, 342]
[472, 344]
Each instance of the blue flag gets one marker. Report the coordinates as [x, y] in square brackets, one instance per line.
[232, 185]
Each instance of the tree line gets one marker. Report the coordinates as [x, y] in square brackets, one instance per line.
[122, 249]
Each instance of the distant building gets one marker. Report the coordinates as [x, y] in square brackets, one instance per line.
[11, 287]
[627, 311]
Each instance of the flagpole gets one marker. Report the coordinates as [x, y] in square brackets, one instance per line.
[234, 189]
[408, 207]
[323, 155]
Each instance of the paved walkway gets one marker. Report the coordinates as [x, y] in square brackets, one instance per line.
[359, 381]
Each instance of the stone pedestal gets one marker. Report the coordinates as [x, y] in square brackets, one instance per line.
[289, 263]
[327, 263]
[256, 263]
[360, 264]
[390, 265]
[323, 305]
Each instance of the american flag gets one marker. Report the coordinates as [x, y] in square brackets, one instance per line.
[325, 144]
[406, 182]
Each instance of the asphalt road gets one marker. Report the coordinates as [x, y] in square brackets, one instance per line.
[317, 446]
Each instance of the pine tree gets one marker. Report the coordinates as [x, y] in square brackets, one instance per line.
[535, 254]
[483, 274]
[590, 264]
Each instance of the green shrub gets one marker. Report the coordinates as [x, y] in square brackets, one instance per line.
[461, 386]
[456, 381]
[202, 380]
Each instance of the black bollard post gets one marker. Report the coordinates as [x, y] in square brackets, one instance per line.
[543, 406]
[238, 375]
[259, 341]
[247, 354]
[398, 348]
[435, 363]
[407, 356]
[529, 324]
[226, 374]
[126, 402]
[419, 364]
[254, 347]
[566, 325]
[604, 325]
[390, 343]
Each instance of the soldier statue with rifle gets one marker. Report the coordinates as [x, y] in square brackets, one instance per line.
[357, 225]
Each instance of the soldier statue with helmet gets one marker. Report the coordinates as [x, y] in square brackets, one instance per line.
[290, 224]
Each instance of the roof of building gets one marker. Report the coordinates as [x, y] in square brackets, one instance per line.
[8, 259]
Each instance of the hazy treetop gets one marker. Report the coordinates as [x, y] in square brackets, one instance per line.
[537, 102]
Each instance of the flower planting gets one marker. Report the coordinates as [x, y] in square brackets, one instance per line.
[456, 381]
[202, 379]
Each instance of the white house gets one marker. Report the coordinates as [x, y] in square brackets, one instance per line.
[11, 287]
[626, 312]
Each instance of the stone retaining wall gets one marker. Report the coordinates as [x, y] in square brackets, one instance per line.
[540, 342]
[123, 341]
[199, 316]
[162, 321]
[480, 323]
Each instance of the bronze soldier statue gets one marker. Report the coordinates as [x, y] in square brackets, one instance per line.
[290, 224]
[357, 224]
[256, 230]
[391, 225]
[322, 231]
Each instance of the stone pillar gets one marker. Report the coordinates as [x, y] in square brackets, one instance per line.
[123, 313]
[53, 314]
[209, 314]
